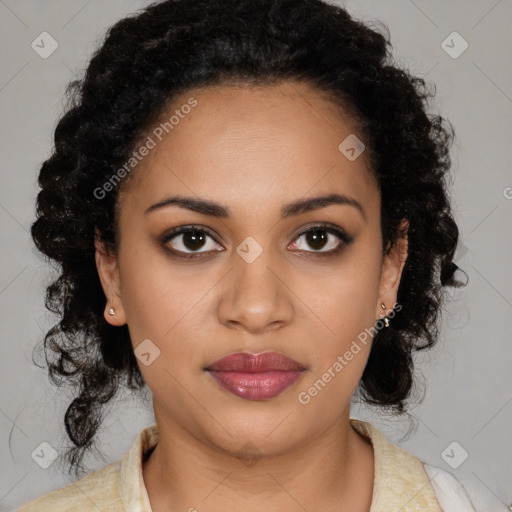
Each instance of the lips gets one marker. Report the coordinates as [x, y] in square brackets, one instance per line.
[255, 363]
[256, 376]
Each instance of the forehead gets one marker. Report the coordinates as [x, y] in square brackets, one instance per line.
[251, 145]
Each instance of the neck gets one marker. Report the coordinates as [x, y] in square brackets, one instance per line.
[333, 471]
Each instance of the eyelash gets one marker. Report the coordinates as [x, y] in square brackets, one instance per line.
[345, 239]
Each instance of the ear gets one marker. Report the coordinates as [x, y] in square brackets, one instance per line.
[391, 273]
[108, 271]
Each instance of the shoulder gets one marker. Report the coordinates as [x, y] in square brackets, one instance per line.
[108, 489]
[95, 491]
[450, 493]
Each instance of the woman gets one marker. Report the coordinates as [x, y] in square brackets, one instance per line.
[248, 202]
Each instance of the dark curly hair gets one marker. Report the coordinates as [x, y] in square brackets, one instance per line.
[172, 46]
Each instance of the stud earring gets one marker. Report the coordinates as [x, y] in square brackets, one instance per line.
[111, 311]
[386, 320]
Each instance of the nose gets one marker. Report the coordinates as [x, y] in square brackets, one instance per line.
[256, 296]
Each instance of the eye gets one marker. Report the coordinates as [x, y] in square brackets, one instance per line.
[187, 241]
[320, 236]
[189, 238]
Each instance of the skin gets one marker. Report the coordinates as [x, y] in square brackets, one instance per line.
[252, 150]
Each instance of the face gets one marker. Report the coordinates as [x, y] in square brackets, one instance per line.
[247, 278]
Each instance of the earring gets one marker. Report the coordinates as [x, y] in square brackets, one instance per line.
[111, 311]
[386, 320]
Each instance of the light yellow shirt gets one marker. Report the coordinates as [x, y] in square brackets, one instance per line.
[400, 481]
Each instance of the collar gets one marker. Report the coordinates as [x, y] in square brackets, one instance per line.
[400, 481]
[131, 485]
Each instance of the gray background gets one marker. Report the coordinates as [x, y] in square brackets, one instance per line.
[467, 376]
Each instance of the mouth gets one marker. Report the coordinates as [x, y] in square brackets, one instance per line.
[256, 376]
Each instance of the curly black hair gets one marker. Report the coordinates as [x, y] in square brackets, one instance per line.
[169, 47]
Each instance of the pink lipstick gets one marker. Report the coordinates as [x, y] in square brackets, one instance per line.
[256, 376]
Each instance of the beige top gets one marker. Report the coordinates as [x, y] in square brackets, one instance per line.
[400, 481]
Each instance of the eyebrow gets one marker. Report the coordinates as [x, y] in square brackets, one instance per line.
[212, 209]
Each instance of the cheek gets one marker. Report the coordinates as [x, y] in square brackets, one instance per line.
[339, 355]
[169, 305]
[341, 303]
[344, 307]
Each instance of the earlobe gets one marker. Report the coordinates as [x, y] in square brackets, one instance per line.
[108, 272]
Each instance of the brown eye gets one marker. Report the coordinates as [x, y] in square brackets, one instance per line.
[321, 237]
[190, 240]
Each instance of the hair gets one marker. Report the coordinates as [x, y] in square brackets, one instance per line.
[170, 47]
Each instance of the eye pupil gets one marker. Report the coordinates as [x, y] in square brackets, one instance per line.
[196, 237]
[316, 238]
